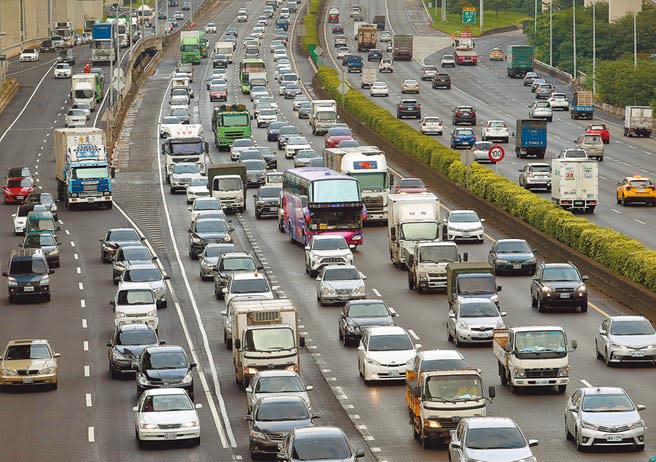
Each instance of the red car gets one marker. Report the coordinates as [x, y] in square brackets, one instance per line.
[17, 189]
[218, 93]
[409, 186]
[598, 129]
[337, 134]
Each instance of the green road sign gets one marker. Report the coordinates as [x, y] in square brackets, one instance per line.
[469, 15]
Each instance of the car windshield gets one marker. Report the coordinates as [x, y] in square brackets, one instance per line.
[142, 275]
[167, 403]
[288, 384]
[411, 183]
[438, 254]
[393, 342]
[560, 273]
[242, 143]
[615, 402]
[329, 244]
[135, 297]
[123, 235]
[540, 341]
[34, 351]
[463, 218]
[321, 447]
[170, 120]
[479, 310]
[420, 231]
[200, 181]
[341, 274]
[339, 132]
[368, 310]
[254, 165]
[269, 340]
[77, 113]
[207, 205]
[210, 226]
[238, 264]
[280, 411]
[464, 132]
[165, 360]
[228, 184]
[269, 192]
[483, 146]
[28, 267]
[249, 286]
[513, 247]
[38, 240]
[19, 183]
[23, 210]
[185, 168]
[631, 327]
[454, 388]
[495, 438]
[137, 337]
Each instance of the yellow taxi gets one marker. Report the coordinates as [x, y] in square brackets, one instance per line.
[28, 362]
[636, 189]
[496, 54]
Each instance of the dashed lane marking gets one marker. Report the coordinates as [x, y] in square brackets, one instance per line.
[88, 400]
[87, 370]
[375, 291]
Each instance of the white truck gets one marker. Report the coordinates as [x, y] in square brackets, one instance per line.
[533, 356]
[369, 165]
[323, 115]
[224, 48]
[356, 26]
[412, 218]
[185, 144]
[265, 337]
[575, 184]
[638, 121]
[368, 77]
[427, 263]
[83, 89]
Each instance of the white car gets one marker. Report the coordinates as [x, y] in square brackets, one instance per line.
[203, 206]
[481, 150]
[63, 71]
[385, 65]
[448, 61]
[473, 320]
[136, 274]
[540, 110]
[342, 51]
[166, 414]
[559, 101]
[385, 353]
[379, 89]
[241, 144]
[20, 219]
[385, 36]
[248, 286]
[210, 28]
[490, 438]
[295, 144]
[242, 17]
[258, 31]
[626, 339]
[266, 116]
[280, 53]
[84, 107]
[182, 174]
[326, 249]
[198, 187]
[339, 284]
[76, 118]
[495, 130]
[276, 383]
[464, 224]
[432, 125]
[135, 305]
[29, 54]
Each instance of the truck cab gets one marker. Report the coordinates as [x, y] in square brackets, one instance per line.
[471, 279]
[427, 263]
[227, 182]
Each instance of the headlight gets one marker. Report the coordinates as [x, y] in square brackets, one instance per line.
[152, 314]
[188, 378]
[11, 282]
[410, 362]
[362, 290]
[196, 240]
[618, 346]
[148, 426]
[45, 281]
[500, 324]
[120, 314]
[373, 361]
[328, 291]
[193, 423]
[518, 373]
[206, 264]
[143, 380]
[6, 371]
[546, 290]
[432, 423]
[502, 261]
[258, 435]
[259, 202]
[357, 237]
[47, 370]
[563, 371]
[462, 325]
[227, 238]
[423, 276]
[589, 426]
[531, 261]
[639, 424]
[117, 355]
[582, 289]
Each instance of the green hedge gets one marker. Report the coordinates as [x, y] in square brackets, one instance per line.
[609, 247]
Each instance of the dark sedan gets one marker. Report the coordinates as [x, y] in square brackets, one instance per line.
[127, 343]
[165, 367]
[267, 201]
[207, 231]
[512, 255]
[360, 314]
[274, 130]
[115, 238]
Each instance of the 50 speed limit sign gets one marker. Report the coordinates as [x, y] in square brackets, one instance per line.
[496, 153]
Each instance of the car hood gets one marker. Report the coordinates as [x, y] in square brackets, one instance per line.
[563, 284]
[330, 253]
[514, 256]
[131, 351]
[123, 243]
[392, 357]
[169, 417]
[633, 340]
[166, 375]
[282, 425]
[211, 235]
[610, 419]
[481, 322]
[136, 310]
[343, 284]
[25, 278]
[19, 364]
[367, 322]
[18, 191]
[498, 455]
[465, 225]
[129, 284]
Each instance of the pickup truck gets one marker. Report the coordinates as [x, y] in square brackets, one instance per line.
[533, 356]
[408, 108]
[354, 63]
[427, 264]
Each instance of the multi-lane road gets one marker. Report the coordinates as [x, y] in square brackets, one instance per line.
[89, 416]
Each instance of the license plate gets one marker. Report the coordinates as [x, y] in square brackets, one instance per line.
[637, 354]
[619, 437]
[91, 199]
[564, 295]
[542, 382]
[20, 197]
[516, 266]
[28, 289]
[169, 436]
[28, 380]
[394, 373]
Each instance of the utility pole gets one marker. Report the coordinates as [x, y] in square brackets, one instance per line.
[594, 48]
[535, 16]
[635, 37]
[574, 35]
[4, 61]
[443, 10]
[551, 33]
[481, 23]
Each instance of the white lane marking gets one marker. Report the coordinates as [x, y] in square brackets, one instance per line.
[59, 221]
[72, 243]
[376, 292]
[413, 334]
[79, 270]
[68, 233]
[616, 211]
[640, 221]
[87, 370]
[85, 345]
[585, 382]
[91, 435]
[83, 303]
[84, 323]
[88, 400]
[80, 285]
[76, 256]
[393, 311]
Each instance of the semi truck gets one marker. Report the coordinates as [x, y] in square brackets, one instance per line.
[439, 399]
[367, 37]
[190, 47]
[227, 182]
[230, 122]
[427, 262]
[103, 48]
[323, 115]
[83, 89]
[519, 60]
[575, 184]
[531, 138]
[82, 167]
[265, 337]
[638, 121]
[185, 144]
[471, 280]
[411, 218]
[402, 46]
[464, 53]
[582, 106]
[533, 356]
[369, 165]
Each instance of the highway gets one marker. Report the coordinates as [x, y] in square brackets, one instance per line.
[89, 416]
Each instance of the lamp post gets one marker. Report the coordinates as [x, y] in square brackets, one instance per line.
[481, 23]
[551, 33]
[2, 82]
[535, 16]
[635, 37]
[443, 10]
[594, 48]
[574, 36]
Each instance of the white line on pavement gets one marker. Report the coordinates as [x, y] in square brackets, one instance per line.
[585, 382]
[375, 291]
[91, 435]
[87, 370]
[85, 345]
[88, 400]
[413, 334]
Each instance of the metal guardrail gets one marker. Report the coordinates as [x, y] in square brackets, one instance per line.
[554, 72]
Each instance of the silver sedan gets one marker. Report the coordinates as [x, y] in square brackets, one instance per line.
[339, 284]
[626, 339]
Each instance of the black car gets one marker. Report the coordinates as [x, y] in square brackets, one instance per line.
[317, 443]
[463, 115]
[126, 255]
[46, 46]
[442, 80]
[47, 243]
[274, 130]
[304, 110]
[512, 256]
[360, 314]
[207, 231]
[230, 263]
[220, 62]
[66, 56]
[286, 132]
[408, 108]
[272, 418]
[164, 367]
[127, 343]
[268, 156]
[115, 238]
[29, 271]
[267, 201]
[338, 29]
[255, 172]
[374, 55]
[558, 285]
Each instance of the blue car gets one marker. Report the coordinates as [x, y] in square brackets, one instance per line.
[462, 138]
[375, 55]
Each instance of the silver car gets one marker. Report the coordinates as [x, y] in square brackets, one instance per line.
[535, 175]
[340, 283]
[182, 174]
[626, 339]
[326, 249]
[276, 383]
[481, 150]
[540, 110]
[209, 257]
[137, 273]
[473, 320]
[604, 416]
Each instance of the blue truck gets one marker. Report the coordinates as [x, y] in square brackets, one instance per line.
[354, 63]
[531, 138]
[103, 48]
[582, 106]
[82, 167]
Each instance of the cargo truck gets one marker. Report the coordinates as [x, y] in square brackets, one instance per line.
[369, 165]
[402, 46]
[519, 60]
[411, 218]
[190, 47]
[471, 280]
[439, 399]
[203, 42]
[638, 121]
[83, 89]
[356, 27]
[379, 21]
[323, 115]
[368, 77]
[229, 123]
[427, 262]
[64, 29]
[227, 182]
[224, 48]
[103, 48]
[82, 167]
[265, 337]
[575, 184]
[367, 37]
[185, 144]
[582, 106]
[533, 356]
[464, 53]
[531, 138]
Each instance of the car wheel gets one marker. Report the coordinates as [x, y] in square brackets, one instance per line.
[607, 359]
[540, 305]
[195, 441]
[579, 446]
[568, 435]
[599, 355]
[584, 307]
[227, 341]
[561, 389]
[502, 375]
[449, 338]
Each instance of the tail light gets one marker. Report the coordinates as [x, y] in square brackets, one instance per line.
[653, 188]
[458, 114]
[628, 188]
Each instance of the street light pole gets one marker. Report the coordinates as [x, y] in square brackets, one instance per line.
[535, 16]
[635, 37]
[551, 33]
[594, 48]
[443, 10]
[4, 61]
[574, 35]
[481, 23]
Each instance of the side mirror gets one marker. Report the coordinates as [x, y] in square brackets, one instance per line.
[275, 287]
[309, 388]
[571, 408]
[585, 277]
[109, 344]
[533, 443]
[237, 343]
[363, 276]
[281, 457]
[199, 406]
[112, 302]
[248, 418]
[260, 267]
[207, 147]
[248, 389]
[418, 346]
[167, 277]
[57, 355]
[465, 256]
[482, 220]
[318, 277]
[301, 341]
[315, 416]
[491, 391]
[574, 345]
[452, 314]
[224, 290]
[455, 445]
[307, 247]
[192, 365]
[162, 342]
[641, 407]
[498, 288]
[135, 409]
[51, 271]
[359, 453]
[503, 313]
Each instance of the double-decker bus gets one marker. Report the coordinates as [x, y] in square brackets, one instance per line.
[246, 67]
[318, 200]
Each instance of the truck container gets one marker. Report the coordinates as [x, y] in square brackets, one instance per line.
[185, 144]
[427, 262]
[582, 106]
[83, 89]
[82, 167]
[471, 280]
[531, 138]
[227, 182]
[190, 47]
[533, 356]
[369, 165]
[638, 121]
[464, 53]
[203, 42]
[229, 123]
[224, 48]
[64, 29]
[103, 49]
[356, 27]
[367, 37]
[402, 46]
[379, 21]
[265, 337]
[519, 60]
[411, 218]
[323, 115]
[368, 77]
[575, 184]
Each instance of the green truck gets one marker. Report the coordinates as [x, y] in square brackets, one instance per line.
[100, 83]
[471, 280]
[190, 47]
[519, 60]
[204, 43]
[230, 122]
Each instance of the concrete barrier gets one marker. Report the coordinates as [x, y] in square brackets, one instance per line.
[9, 94]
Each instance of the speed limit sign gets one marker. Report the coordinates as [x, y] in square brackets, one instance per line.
[496, 153]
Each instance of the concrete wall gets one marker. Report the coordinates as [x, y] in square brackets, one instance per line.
[77, 11]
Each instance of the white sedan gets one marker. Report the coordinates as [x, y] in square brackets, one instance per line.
[432, 125]
[464, 224]
[63, 71]
[197, 188]
[495, 130]
[29, 54]
[481, 151]
[76, 118]
[210, 28]
[385, 353]
[559, 101]
[166, 414]
[379, 89]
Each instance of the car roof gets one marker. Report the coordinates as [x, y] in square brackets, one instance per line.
[134, 326]
[164, 348]
[461, 211]
[386, 330]
[141, 265]
[510, 240]
[490, 422]
[164, 391]
[559, 265]
[240, 254]
[277, 373]
[255, 275]
[332, 267]
[312, 432]
[28, 341]
[319, 237]
[136, 286]
[282, 398]
[365, 301]
[602, 390]
[627, 318]
[427, 355]
[468, 300]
